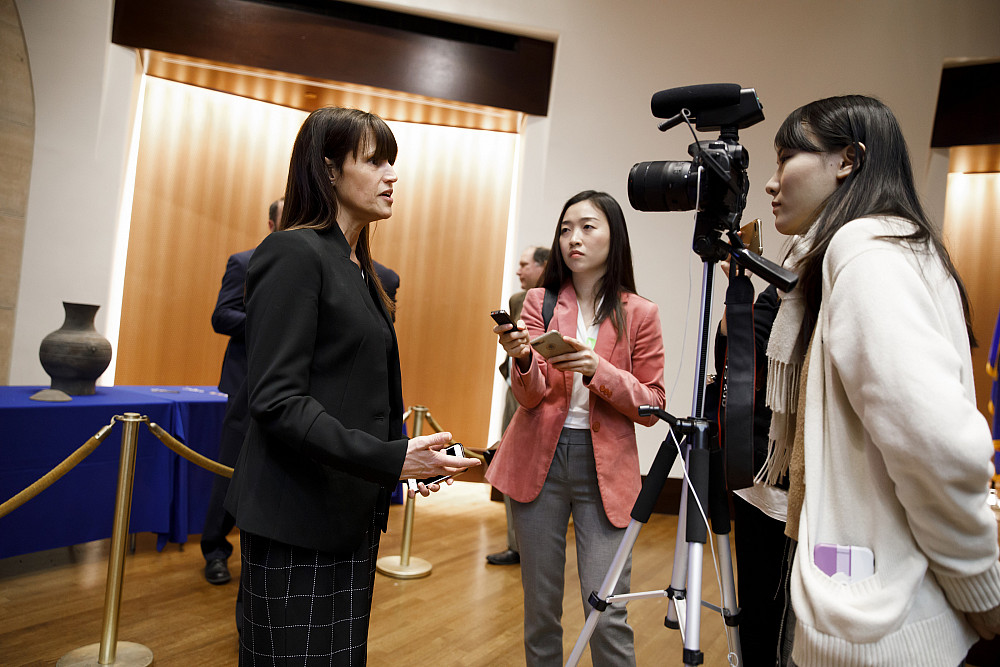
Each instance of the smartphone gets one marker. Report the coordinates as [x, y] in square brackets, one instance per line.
[844, 563]
[750, 233]
[551, 344]
[451, 450]
[502, 317]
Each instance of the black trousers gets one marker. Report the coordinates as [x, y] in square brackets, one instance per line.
[305, 607]
[760, 555]
[218, 522]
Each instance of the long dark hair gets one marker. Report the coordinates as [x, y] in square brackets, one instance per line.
[618, 276]
[310, 200]
[880, 183]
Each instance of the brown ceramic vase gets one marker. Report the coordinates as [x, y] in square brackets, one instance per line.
[75, 355]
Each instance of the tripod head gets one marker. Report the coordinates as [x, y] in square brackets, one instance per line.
[774, 274]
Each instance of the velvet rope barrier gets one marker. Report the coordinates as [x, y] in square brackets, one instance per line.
[402, 566]
[179, 448]
[110, 651]
[49, 478]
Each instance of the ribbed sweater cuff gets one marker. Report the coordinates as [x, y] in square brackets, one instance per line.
[980, 592]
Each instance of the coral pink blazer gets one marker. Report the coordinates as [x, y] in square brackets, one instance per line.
[629, 374]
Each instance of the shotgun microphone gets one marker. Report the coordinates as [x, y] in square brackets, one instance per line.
[668, 103]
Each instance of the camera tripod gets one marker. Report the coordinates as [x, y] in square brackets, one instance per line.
[704, 483]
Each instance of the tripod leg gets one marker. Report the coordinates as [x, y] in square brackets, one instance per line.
[697, 534]
[641, 511]
[722, 527]
[678, 577]
[607, 588]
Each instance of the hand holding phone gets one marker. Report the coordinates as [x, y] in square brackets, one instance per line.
[551, 344]
[451, 450]
[502, 317]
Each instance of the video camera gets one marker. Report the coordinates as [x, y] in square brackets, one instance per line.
[715, 180]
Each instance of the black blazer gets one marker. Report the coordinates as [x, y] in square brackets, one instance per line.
[325, 448]
[229, 319]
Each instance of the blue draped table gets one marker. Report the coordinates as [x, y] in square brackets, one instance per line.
[169, 496]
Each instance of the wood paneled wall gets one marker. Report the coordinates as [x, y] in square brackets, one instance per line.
[209, 164]
[972, 234]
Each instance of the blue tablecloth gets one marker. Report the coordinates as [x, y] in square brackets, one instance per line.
[169, 494]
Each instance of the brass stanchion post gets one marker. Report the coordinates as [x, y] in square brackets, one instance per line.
[110, 651]
[402, 566]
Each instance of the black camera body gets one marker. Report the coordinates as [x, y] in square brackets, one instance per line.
[715, 180]
[673, 185]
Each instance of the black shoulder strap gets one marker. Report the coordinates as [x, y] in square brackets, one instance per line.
[548, 306]
[740, 367]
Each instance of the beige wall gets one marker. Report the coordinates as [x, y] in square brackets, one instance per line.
[86, 99]
[611, 56]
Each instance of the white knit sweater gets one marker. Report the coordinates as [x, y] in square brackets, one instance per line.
[897, 459]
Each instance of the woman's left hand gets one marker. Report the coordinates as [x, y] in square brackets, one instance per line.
[583, 361]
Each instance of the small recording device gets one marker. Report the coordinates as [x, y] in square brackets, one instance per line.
[551, 344]
[844, 564]
[451, 450]
[502, 317]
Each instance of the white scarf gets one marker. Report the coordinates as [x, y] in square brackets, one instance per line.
[786, 350]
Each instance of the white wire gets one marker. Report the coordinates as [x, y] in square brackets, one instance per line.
[687, 321]
[687, 308]
[711, 541]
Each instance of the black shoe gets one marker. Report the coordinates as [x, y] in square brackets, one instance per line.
[508, 557]
[217, 572]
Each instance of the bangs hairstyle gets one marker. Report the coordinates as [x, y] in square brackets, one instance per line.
[880, 183]
[331, 133]
[618, 276]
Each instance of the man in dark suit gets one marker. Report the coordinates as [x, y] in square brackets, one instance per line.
[229, 318]
[530, 267]
[389, 280]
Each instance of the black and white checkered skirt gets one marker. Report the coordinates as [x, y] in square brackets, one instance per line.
[305, 607]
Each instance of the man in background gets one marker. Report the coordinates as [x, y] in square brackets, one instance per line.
[389, 280]
[229, 318]
[529, 272]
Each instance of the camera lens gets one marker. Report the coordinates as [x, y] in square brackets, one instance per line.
[665, 185]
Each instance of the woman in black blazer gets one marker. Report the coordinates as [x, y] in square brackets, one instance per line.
[325, 448]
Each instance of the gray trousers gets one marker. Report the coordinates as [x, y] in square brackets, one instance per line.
[570, 489]
[511, 533]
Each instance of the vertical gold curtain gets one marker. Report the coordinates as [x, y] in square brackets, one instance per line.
[972, 234]
[210, 164]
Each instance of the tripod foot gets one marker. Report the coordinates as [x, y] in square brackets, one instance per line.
[693, 657]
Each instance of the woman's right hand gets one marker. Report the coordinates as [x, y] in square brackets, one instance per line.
[423, 460]
[515, 342]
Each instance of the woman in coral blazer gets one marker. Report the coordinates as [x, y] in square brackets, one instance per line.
[570, 449]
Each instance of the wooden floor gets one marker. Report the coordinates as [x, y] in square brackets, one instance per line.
[465, 613]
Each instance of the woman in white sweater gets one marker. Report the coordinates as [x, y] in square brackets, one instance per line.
[897, 558]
